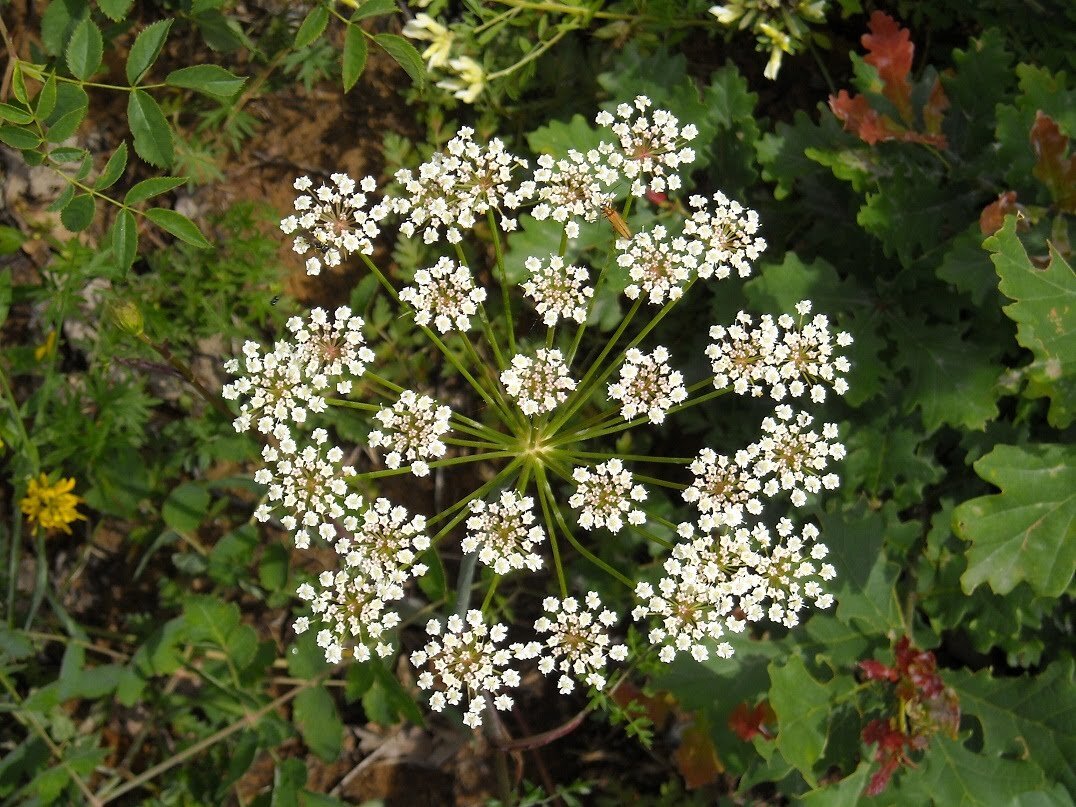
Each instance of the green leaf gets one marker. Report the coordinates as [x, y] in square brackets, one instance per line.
[1027, 531]
[115, 10]
[374, 8]
[288, 779]
[845, 793]
[84, 49]
[46, 99]
[145, 50]
[5, 308]
[152, 135]
[14, 114]
[19, 138]
[60, 202]
[57, 23]
[78, 214]
[178, 225]
[313, 26]
[185, 507]
[113, 169]
[1045, 317]
[68, 154]
[354, 58]
[273, 569]
[124, 237]
[557, 138]
[66, 125]
[148, 188]
[305, 658]
[405, 55]
[319, 723]
[210, 619]
[1027, 717]
[966, 267]
[802, 707]
[209, 79]
[886, 460]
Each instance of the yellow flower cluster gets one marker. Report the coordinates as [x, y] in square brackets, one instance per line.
[51, 505]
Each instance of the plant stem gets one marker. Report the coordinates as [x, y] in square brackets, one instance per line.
[543, 487]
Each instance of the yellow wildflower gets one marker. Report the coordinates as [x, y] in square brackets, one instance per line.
[46, 348]
[51, 505]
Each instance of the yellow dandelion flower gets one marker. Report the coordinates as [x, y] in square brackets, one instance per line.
[51, 505]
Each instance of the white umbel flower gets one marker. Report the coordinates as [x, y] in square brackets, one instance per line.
[277, 395]
[794, 456]
[458, 186]
[538, 384]
[464, 659]
[650, 148]
[333, 220]
[559, 291]
[648, 385]
[578, 644]
[575, 187]
[385, 543]
[724, 489]
[504, 533]
[354, 611]
[445, 296]
[332, 351]
[310, 486]
[411, 431]
[728, 233]
[657, 265]
[606, 496]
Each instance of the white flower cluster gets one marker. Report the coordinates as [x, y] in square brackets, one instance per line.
[794, 456]
[384, 544]
[285, 385]
[648, 385]
[790, 360]
[559, 291]
[538, 385]
[504, 533]
[651, 147]
[729, 234]
[456, 187]
[463, 659]
[578, 644]
[333, 220]
[444, 294]
[310, 485]
[723, 489]
[355, 610]
[411, 431]
[575, 187]
[658, 267]
[717, 583]
[607, 496]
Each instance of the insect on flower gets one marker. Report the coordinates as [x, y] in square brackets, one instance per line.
[616, 221]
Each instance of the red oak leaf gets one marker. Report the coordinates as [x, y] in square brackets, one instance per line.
[890, 51]
[747, 723]
[993, 215]
[1053, 167]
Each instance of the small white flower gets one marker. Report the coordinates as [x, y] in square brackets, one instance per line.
[648, 385]
[728, 234]
[575, 187]
[411, 431]
[658, 267]
[445, 296]
[650, 148]
[384, 545]
[559, 291]
[792, 456]
[504, 533]
[469, 82]
[425, 28]
[538, 384]
[606, 496]
[724, 489]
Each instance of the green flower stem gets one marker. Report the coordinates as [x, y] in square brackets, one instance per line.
[662, 521]
[651, 537]
[499, 438]
[706, 382]
[487, 329]
[582, 550]
[381, 278]
[383, 382]
[579, 436]
[586, 386]
[464, 582]
[609, 455]
[455, 441]
[550, 337]
[534, 54]
[653, 480]
[543, 488]
[187, 375]
[462, 503]
[345, 404]
[563, 248]
[499, 251]
[488, 455]
[495, 382]
[490, 591]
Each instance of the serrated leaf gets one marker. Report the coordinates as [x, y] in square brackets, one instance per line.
[17, 116]
[373, 8]
[124, 237]
[19, 138]
[78, 214]
[802, 707]
[46, 99]
[69, 154]
[84, 49]
[1026, 532]
[1045, 317]
[185, 507]
[354, 57]
[66, 125]
[148, 188]
[152, 135]
[57, 23]
[113, 169]
[1029, 716]
[115, 10]
[405, 55]
[60, 202]
[145, 50]
[319, 724]
[178, 225]
[950, 774]
[313, 26]
[210, 619]
[209, 79]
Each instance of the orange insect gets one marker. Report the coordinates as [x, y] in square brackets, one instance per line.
[616, 221]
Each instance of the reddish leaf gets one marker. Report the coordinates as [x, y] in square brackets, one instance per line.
[696, 758]
[993, 215]
[657, 707]
[876, 671]
[890, 51]
[855, 112]
[747, 723]
[1056, 170]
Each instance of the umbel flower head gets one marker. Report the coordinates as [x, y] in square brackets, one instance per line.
[51, 505]
[444, 295]
[538, 384]
[504, 533]
[648, 385]
[411, 431]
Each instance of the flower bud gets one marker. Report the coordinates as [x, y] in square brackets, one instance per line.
[128, 317]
